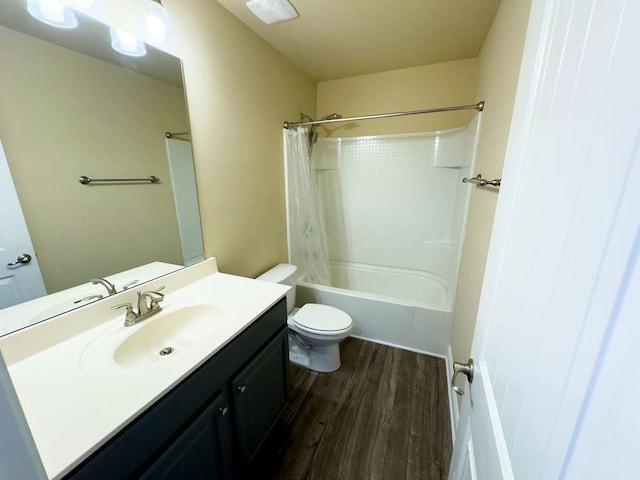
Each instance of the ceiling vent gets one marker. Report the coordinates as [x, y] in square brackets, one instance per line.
[272, 11]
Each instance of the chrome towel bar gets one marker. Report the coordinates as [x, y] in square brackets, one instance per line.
[483, 182]
[84, 180]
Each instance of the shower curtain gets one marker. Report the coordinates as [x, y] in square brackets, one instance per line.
[307, 239]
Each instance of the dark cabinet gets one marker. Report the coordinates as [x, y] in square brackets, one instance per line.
[221, 423]
[203, 451]
[260, 396]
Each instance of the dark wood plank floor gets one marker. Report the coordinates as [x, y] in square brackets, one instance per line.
[383, 415]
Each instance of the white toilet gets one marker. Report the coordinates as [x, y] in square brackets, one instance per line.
[314, 330]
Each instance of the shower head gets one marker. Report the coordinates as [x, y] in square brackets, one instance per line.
[313, 134]
[305, 118]
[333, 116]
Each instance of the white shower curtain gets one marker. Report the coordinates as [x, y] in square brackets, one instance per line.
[307, 240]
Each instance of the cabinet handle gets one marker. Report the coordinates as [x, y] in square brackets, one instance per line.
[242, 388]
[224, 411]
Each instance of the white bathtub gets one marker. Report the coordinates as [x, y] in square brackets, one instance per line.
[411, 287]
[390, 306]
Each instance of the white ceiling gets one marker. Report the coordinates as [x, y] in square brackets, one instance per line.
[341, 38]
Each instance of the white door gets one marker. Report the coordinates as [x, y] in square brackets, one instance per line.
[22, 281]
[564, 250]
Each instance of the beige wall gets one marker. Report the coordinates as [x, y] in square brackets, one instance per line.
[240, 91]
[498, 67]
[64, 114]
[429, 86]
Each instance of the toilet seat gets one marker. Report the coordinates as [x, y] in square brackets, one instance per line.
[322, 319]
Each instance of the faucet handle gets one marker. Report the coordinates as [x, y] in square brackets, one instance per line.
[152, 294]
[120, 305]
[130, 284]
[156, 297]
[130, 317]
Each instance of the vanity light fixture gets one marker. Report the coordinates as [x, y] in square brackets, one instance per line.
[52, 12]
[156, 24]
[272, 11]
[126, 43]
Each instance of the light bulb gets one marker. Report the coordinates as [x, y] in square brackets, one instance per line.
[156, 24]
[126, 43]
[52, 12]
[156, 29]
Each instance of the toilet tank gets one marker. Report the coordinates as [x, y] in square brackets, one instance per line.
[284, 274]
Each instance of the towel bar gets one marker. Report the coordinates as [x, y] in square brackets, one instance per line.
[84, 180]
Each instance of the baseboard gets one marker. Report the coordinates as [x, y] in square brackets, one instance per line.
[402, 347]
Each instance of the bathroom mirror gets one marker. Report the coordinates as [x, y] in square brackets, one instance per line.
[71, 106]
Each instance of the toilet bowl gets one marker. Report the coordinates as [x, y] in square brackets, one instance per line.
[315, 330]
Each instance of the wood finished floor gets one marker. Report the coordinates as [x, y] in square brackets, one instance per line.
[383, 415]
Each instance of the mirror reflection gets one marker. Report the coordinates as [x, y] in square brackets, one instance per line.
[70, 107]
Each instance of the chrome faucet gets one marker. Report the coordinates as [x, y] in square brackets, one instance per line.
[111, 288]
[148, 305]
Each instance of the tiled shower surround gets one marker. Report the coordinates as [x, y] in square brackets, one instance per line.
[394, 209]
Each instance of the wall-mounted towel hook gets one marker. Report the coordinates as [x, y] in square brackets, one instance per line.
[483, 182]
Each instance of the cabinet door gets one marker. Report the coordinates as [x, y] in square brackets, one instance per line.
[203, 451]
[260, 395]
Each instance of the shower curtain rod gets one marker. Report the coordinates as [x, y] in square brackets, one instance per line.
[476, 106]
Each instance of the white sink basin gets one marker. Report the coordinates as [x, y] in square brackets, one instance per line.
[157, 340]
[168, 334]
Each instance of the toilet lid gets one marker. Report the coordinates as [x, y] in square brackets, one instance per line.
[322, 318]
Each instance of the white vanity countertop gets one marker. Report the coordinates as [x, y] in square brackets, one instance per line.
[27, 313]
[75, 399]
